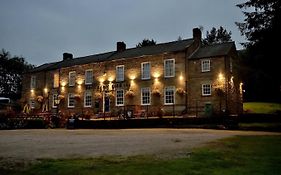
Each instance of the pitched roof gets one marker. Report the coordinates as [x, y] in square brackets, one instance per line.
[128, 53]
[213, 50]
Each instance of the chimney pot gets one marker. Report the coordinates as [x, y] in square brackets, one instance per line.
[197, 34]
[67, 56]
[121, 46]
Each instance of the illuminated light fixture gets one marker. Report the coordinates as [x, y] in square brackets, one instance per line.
[62, 88]
[63, 83]
[156, 74]
[110, 79]
[181, 77]
[221, 77]
[46, 90]
[79, 82]
[79, 86]
[32, 91]
[132, 77]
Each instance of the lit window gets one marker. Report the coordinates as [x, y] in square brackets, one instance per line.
[32, 103]
[120, 97]
[205, 65]
[89, 76]
[33, 82]
[145, 70]
[55, 100]
[88, 99]
[169, 68]
[169, 95]
[120, 73]
[206, 89]
[71, 100]
[72, 78]
[56, 80]
[145, 96]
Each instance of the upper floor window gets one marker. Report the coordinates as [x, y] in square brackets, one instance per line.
[169, 68]
[120, 97]
[169, 95]
[33, 82]
[120, 73]
[88, 99]
[145, 96]
[56, 80]
[145, 70]
[89, 76]
[72, 78]
[205, 65]
[230, 65]
[71, 100]
[206, 89]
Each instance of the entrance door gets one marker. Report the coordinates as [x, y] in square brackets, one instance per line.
[106, 104]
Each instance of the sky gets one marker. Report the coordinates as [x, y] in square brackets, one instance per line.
[42, 30]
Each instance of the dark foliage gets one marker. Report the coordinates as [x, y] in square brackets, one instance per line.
[219, 35]
[259, 61]
[146, 42]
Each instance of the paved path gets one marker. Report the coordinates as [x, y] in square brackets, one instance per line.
[60, 143]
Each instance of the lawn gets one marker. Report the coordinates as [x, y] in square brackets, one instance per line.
[261, 107]
[231, 156]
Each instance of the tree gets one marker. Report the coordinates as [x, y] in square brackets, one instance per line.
[261, 27]
[11, 70]
[217, 36]
[146, 42]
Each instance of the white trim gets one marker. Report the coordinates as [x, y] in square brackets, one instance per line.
[69, 78]
[88, 70]
[142, 75]
[68, 100]
[88, 106]
[174, 93]
[122, 78]
[122, 97]
[149, 96]
[206, 61]
[202, 89]
[174, 67]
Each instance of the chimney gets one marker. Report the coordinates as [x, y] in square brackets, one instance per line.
[121, 46]
[67, 56]
[197, 35]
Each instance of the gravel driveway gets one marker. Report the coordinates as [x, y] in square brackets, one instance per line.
[29, 145]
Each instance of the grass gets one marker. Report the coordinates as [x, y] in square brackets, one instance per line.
[257, 155]
[261, 107]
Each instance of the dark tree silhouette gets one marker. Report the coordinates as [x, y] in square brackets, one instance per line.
[219, 35]
[146, 42]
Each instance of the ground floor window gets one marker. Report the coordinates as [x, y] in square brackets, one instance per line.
[71, 100]
[145, 96]
[88, 99]
[55, 100]
[206, 89]
[32, 103]
[120, 97]
[169, 95]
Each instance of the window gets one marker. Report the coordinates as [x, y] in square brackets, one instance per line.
[169, 68]
[205, 65]
[72, 78]
[33, 82]
[169, 95]
[120, 97]
[55, 100]
[145, 96]
[120, 73]
[206, 90]
[230, 65]
[145, 70]
[71, 100]
[56, 80]
[32, 103]
[89, 76]
[88, 99]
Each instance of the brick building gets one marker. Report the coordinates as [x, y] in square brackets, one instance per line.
[175, 78]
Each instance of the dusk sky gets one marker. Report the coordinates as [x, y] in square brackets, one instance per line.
[42, 30]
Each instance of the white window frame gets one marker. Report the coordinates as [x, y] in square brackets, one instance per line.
[204, 86]
[70, 95]
[120, 75]
[85, 99]
[33, 82]
[55, 97]
[71, 81]
[56, 81]
[206, 65]
[165, 95]
[88, 77]
[145, 74]
[147, 89]
[173, 68]
[122, 97]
